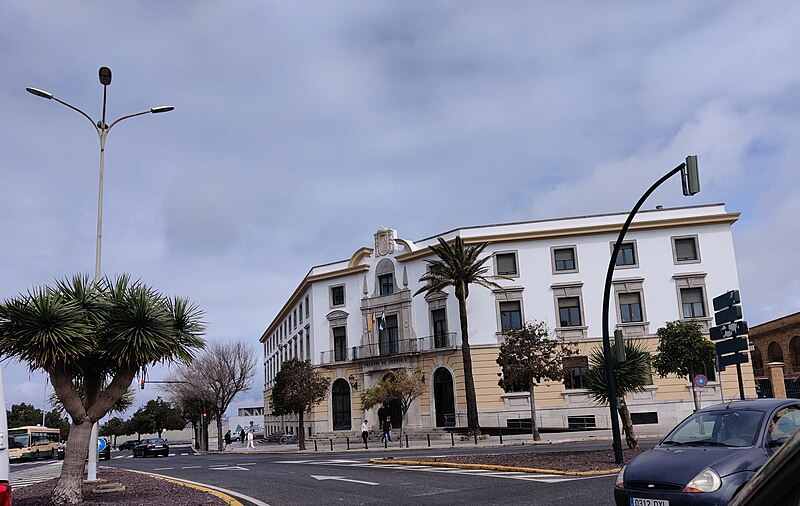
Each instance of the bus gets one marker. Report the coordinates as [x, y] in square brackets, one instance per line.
[33, 442]
[5, 486]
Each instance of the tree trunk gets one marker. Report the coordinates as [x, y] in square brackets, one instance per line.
[473, 427]
[627, 424]
[219, 433]
[69, 489]
[301, 440]
[534, 427]
[695, 398]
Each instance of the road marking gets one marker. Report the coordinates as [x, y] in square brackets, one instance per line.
[229, 468]
[247, 464]
[341, 478]
[191, 467]
[163, 468]
[35, 474]
[247, 498]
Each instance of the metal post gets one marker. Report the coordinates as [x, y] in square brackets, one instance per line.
[348, 442]
[476, 438]
[429, 440]
[741, 384]
[501, 437]
[315, 445]
[406, 440]
[452, 439]
[611, 390]
[331, 440]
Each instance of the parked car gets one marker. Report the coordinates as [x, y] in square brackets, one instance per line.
[710, 455]
[153, 446]
[61, 451]
[128, 445]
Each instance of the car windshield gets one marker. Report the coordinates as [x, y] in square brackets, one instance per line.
[717, 428]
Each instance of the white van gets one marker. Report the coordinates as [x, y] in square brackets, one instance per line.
[5, 486]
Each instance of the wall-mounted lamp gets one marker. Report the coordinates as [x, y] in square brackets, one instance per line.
[353, 382]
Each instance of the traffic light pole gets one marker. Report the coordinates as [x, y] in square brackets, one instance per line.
[608, 363]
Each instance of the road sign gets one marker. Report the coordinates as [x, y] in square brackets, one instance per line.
[728, 330]
[727, 299]
[731, 314]
[736, 358]
[700, 381]
[101, 444]
[731, 346]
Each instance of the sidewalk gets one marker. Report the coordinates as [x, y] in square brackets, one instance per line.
[645, 433]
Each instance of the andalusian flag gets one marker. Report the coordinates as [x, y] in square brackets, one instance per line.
[382, 323]
[371, 322]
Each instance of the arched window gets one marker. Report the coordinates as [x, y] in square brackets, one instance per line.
[758, 362]
[341, 405]
[794, 351]
[774, 352]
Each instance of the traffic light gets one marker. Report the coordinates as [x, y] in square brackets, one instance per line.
[142, 384]
[690, 177]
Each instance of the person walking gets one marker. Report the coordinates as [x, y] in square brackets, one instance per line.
[365, 433]
[250, 444]
[242, 435]
[228, 439]
[387, 430]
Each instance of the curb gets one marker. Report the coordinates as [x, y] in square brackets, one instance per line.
[490, 467]
[225, 497]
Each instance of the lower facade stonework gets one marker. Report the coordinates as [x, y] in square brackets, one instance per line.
[443, 404]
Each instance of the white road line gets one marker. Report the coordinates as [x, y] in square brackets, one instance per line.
[191, 467]
[247, 464]
[253, 500]
[163, 468]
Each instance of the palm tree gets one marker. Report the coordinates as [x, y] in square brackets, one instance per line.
[632, 375]
[92, 338]
[459, 266]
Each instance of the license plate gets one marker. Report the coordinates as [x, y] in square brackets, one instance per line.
[648, 502]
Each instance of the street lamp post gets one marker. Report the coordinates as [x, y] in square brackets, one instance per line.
[102, 129]
[691, 185]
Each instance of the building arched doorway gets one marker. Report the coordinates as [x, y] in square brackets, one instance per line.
[392, 409]
[444, 398]
[342, 420]
[774, 352]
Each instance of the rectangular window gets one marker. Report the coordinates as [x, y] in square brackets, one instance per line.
[337, 295]
[685, 249]
[506, 264]
[339, 344]
[387, 338]
[626, 255]
[564, 259]
[386, 282]
[510, 315]
[308, 344]
[569, 311]
[294, 317]
[693, 305]
[630, 307]
[308, 308]
[575, 370]
[300, 312]
[439, 318]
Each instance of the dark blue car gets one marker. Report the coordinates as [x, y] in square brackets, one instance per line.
[710, 455]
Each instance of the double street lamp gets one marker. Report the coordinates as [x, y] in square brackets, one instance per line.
[102, 128]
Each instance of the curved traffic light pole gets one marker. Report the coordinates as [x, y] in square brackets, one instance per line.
[611, 389]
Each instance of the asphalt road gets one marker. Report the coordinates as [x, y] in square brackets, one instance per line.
[348, 478]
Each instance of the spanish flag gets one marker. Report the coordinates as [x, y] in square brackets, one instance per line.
[371, 322]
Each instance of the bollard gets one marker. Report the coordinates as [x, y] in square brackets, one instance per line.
[386, 442]
[476, 437]
[501, 437]
[429, 440]
[348, 442]
[406, 440]
[315, 445]
[331, 440]
[452, 439]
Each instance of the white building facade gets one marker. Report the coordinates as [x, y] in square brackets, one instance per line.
[672, 263]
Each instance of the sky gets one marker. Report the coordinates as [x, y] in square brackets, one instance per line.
[301, 127]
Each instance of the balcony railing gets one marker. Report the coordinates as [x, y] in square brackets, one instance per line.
[445, 341]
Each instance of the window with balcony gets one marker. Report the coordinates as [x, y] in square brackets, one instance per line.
[439, 318]
[340, 344]
[387, 336]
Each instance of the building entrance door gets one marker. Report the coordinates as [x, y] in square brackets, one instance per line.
[341, 405]
[444, 398]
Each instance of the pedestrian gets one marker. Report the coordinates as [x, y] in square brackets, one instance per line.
[228, 439]
[387, 429]
[241, 435]
[250, 443]
[365, 433]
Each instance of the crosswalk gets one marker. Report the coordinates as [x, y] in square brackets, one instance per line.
[511, 475]
[130, 455]
[34, 474]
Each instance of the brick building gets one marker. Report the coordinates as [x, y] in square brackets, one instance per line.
[777, 341]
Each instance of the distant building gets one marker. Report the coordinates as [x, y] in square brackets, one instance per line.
[672, 263]
[249, 419]
[777, 342]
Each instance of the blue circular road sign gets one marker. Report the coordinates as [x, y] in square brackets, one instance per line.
[700, 381]
[101, 444]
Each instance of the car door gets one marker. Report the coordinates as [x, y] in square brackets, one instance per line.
[784, 422]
